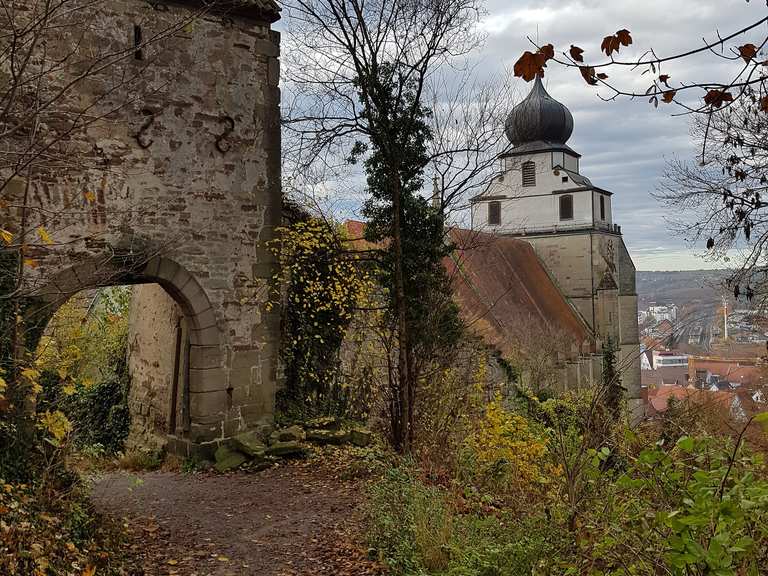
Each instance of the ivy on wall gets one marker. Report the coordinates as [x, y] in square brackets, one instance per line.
[323, 284]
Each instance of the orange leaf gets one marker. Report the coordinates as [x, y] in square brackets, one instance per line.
[576, 53]
[31, 263]
[548, 51]
[89, 196]
[624, 37]
[748, 51]
[529, 65]
[609, 45]
[588, 73]
[90, 570]
[715, 98]
[668, 96]
[664, 78]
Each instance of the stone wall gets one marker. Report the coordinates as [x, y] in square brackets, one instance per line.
[157, 341]
[595, 272]
[174, 180]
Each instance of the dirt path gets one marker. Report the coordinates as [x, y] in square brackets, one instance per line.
[298, 519]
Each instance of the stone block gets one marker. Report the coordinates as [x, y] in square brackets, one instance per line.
[336, 437]
[204, 432]
[293, 433]
[207, 404]
[205, 357]
[228, 459]
[210, 380]
[210, 336]
[204, 319]
[249, 443]
[360, 437]
[286, 450]
[323, 423]
[167, 270]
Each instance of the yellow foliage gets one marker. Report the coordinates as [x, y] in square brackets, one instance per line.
[44, 235]
[6, 236]
[508, 454]
[56, 424]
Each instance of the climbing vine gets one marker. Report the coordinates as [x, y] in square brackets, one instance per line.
[324, 283]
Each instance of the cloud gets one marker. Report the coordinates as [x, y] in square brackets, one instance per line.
[623, 143]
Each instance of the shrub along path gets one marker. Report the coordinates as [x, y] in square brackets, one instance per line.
[300, 518]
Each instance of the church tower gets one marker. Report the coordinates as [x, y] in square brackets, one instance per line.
[541, 197]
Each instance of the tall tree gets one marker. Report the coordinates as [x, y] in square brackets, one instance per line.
[359, 84]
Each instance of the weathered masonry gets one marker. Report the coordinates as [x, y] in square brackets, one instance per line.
[178, 185]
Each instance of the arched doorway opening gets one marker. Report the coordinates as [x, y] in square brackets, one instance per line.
[179, 396]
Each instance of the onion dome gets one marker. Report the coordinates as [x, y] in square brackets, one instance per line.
[539, 118]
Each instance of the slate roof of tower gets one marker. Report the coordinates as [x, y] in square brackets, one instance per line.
[539, 122]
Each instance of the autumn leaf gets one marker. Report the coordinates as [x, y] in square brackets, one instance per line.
[90, 570]
[576, 53]
[715, 98]
[30, 263]
[624, 37]
[529, 65]
[89, 196]
[609, 45]
[668, 96]
[602, 76]
[664, 78]
[548, 51]
[56, 423]
[30, 373]
[764, 103]
[588, 73]
[748, 51]
[6, 236]
[44, 235]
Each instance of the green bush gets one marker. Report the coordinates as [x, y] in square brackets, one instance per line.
[416, 530]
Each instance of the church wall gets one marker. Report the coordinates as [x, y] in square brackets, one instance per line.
[607, 209]
[628, 312]
[607, 316]
[567, 259]
[531, 213]
[627, 282]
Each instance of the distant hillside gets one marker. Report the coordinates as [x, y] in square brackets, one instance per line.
[684, 288]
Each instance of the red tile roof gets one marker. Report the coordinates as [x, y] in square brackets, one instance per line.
[500, 284]
[658, 398]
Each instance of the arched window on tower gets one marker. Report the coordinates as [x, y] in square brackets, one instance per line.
[529, 173]
[494, 213]
[566, 207]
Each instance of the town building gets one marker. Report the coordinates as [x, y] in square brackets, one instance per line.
[541, 198]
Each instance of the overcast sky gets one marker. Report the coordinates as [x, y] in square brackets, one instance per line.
[624, 144]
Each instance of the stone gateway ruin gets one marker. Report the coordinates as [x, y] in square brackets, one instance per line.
[176, 188]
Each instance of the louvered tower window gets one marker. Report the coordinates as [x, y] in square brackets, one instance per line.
[529, 174]
[494, 213]
[566, 207]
